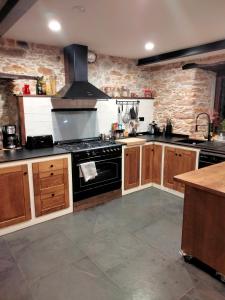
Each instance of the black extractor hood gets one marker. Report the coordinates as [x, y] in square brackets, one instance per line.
[76, 72]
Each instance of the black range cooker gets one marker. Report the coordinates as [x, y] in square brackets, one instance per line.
[107, 156]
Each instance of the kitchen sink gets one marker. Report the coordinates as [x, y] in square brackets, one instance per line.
[191, 141]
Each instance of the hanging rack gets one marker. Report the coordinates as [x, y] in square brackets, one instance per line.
[126, 102]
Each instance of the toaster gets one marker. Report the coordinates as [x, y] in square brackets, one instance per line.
[39, 141]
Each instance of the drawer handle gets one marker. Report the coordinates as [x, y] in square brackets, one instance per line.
[52, 174]
[25, 173]
[179, 154]
[176, 154]
[51, 166]
[53, 195]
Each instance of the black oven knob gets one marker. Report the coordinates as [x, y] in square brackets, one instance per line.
[88, 153]
[93, 153]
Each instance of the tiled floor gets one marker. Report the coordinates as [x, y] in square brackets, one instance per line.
[126, 249]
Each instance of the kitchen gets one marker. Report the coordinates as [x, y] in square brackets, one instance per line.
[91, 189]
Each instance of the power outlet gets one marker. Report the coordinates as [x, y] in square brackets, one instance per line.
[141, 119]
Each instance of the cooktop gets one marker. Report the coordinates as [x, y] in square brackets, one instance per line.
[80, 145]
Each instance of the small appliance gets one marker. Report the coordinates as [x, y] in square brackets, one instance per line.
[10, 139]
[39, 141]
[153, 129]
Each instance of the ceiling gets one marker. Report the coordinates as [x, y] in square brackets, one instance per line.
[122, 27]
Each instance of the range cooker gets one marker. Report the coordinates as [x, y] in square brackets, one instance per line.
[107, 156]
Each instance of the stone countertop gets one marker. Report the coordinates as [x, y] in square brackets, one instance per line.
[24, 154]
[215, 147]
[205, 179]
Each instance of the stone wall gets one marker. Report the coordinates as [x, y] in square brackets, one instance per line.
[117, 72]
[180, 94]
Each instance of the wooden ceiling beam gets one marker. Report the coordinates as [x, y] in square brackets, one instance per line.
[11, 11]
[196, 50]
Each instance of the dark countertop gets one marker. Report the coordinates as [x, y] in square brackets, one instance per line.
[24, 154]
[215, 147]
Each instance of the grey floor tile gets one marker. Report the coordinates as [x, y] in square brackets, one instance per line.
[7, 262]
[111, 248]
[12, 283]
[43, 256]
[152, 276]
[204, 292]
[77, 281]
[14, 287]
[204, 280]
[125, 249]
[23, 238]
[163, 235]
[78, 225]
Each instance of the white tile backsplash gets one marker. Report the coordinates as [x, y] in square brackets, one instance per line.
[39, 118]
[38, 115]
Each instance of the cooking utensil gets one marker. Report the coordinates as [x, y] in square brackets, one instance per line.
[132, 113]
[126, 116]
[137, 110]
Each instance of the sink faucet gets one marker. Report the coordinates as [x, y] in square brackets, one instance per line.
[209, 124]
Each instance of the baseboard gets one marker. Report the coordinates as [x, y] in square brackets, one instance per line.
[96, 200]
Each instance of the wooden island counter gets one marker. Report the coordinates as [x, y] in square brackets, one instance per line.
[203, 234]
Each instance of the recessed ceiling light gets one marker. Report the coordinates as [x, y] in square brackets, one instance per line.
[149, 46]
[54, 25]
[79, 8]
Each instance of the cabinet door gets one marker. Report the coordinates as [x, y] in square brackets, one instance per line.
[131, 167]
[51, 192]
[170, 165]
[14, 195]
[186, 163]
[157, 163]
[147, 164]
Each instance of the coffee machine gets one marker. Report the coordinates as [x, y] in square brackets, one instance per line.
[10, 139]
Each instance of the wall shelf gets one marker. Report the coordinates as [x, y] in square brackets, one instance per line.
[16, 76]
[73, 109]
[133, 98]
[23, 96]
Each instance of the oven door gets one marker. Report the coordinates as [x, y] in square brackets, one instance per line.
[108, 178]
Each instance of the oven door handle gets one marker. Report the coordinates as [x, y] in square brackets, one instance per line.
[98, 161]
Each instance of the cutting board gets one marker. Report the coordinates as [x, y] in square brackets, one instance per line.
[131, 141]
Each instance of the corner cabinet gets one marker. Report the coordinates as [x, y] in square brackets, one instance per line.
[51, 191]
[14, 195]
[151, 164]
[177, 161]
[131, 167]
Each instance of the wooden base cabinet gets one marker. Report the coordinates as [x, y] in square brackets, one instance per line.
[131, 167]
[177, 161]
[204, 227]
[14, 195]
[51, 192]
[151, 164]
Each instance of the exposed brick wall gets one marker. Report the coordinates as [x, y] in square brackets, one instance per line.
[117, 72]
[180, 94]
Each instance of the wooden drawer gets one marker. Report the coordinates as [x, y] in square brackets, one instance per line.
[52, 192]
[53, 202]
[52, 180]
[50, 165]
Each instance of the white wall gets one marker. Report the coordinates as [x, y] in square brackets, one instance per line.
[107, 113]
[39, 118]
